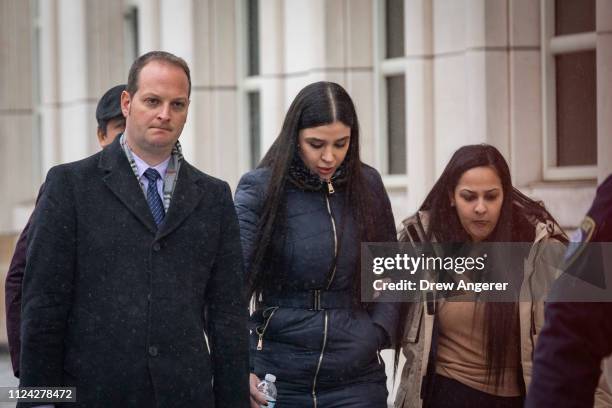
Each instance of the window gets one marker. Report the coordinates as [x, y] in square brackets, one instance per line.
[254, 128]
[570, 91]
[131, 43]
[396, 128]
[394, 28]
[253, 37]
[250, 85]
[391, 87]
[576, 109]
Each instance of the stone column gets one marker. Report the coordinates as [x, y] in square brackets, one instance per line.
[213, 108]
[177, 37]
[49, 85]
[419, 100]
[525, 156]
[75, 108]
[19, 179]
[148, 25]
[271, 66]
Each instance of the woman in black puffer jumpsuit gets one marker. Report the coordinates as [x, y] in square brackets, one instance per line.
[303, 214]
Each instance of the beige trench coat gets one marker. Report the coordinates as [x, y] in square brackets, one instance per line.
[539, 273]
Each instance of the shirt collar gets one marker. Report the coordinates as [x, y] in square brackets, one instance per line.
[142, 166]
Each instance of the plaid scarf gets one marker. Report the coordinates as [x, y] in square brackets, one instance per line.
[176, 157]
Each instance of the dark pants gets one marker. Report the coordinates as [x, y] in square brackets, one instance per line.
[359, 395]
[448, 393]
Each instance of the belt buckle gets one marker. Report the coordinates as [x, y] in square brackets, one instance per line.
[316, 299]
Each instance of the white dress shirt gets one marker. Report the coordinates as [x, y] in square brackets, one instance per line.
[161, 168]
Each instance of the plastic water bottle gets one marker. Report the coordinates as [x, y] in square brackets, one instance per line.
[268, 388]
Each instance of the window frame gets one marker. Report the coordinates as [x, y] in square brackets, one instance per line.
[552, 46]
[246, 85]
[384, 68]
[132, 43]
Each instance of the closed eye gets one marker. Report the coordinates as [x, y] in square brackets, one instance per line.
[468, 197]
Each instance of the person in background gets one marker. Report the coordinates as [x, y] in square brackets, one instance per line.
[577, 336]
[111, 123]
[303, 214]
[476, 353]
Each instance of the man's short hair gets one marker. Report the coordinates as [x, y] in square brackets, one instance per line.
[140, 62]
[109, 107]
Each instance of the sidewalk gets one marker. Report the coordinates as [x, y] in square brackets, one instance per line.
[6, 377]
[8, 380]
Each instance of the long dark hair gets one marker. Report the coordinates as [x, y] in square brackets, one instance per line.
[515, 224]
[317, 104]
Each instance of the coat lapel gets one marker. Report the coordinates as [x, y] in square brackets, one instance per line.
[120, 179]
[187, 195]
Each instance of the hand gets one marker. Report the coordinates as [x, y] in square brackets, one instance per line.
[257, 397]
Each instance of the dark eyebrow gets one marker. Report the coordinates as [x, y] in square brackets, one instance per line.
[316, 139]
[154, 95]
[473, 192]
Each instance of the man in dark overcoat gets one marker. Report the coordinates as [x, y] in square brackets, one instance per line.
[132, 291]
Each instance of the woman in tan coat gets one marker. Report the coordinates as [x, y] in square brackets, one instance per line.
[477, 354]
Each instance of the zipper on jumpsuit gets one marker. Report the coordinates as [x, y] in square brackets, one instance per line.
[330, 190]
[261, 332]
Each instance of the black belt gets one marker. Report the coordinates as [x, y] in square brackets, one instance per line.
[317, 299]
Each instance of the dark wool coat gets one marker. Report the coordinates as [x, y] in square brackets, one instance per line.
[296, 339]
[12, 297]
[12, 293]
[118, 308]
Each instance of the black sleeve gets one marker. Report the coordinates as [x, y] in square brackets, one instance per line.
[227, 315]
[574, 340]
[12, 292]
[249, 201]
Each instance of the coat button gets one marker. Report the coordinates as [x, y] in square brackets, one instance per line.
[156, 246]
[153, 351]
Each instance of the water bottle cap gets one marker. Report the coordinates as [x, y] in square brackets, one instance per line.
[270, 377]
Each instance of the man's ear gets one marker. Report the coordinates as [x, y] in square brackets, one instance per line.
[125, 103]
